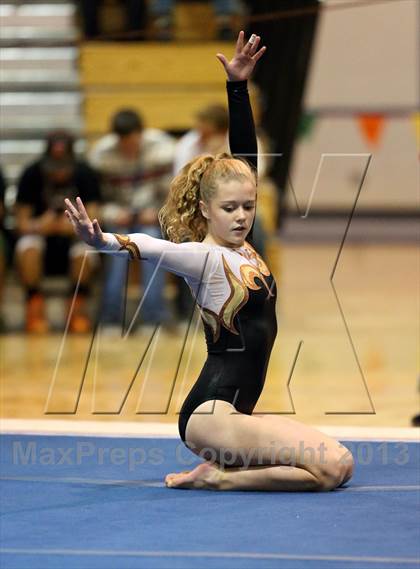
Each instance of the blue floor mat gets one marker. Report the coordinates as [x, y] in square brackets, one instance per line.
[99, 502]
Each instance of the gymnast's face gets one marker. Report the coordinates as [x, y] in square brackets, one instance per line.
[230, 212]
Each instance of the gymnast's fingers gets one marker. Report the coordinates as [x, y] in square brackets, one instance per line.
[82, 209]
[222, 60]
[240, 42]
[71, 218]
[96, 228]
[72, 210]
[259, 54]
[254, 46]
[247, 49]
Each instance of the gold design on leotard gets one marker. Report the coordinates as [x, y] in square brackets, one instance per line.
[128, 245]
[249, 272]
[262, 267]
[238, 297]
[213, 322]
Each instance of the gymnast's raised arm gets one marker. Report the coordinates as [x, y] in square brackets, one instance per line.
[242, 137]
[184, 259]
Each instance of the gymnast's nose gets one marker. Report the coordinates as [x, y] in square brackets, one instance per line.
[241, 216]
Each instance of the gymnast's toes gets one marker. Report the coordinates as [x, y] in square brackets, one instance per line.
[170, 478]
[204, 476]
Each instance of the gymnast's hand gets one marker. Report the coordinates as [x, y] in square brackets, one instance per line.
[89, 231]
[244, 60]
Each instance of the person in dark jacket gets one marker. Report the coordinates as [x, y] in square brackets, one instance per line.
[45, 240]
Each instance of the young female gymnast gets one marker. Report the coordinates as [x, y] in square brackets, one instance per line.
[212, 205]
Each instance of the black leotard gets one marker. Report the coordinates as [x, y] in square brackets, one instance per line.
[234, 289]
[239, 336]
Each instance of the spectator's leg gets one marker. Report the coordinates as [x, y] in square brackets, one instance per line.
[29, 259]
[90, 14]
[153, 309]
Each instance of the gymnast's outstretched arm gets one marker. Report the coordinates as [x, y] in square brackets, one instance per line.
[184, 259]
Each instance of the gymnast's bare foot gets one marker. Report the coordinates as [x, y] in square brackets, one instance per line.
[204, 476]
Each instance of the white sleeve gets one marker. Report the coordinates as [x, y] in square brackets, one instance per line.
[186, 149]
[97, 154]
[190, 260]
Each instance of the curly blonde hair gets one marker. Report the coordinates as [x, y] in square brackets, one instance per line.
[180, 217]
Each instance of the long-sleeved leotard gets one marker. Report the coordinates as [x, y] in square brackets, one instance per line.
[234, 290]
[242, 137]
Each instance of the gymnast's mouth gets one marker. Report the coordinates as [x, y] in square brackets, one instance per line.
[239, 229]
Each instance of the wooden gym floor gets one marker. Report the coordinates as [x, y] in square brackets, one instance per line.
[377, 289]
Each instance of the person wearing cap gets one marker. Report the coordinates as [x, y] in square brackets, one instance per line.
[45, 242]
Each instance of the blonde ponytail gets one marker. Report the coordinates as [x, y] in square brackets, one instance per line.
[180, 217]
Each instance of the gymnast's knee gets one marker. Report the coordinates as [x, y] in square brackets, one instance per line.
[336, 472]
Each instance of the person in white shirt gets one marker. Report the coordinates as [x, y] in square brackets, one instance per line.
[210, 135]
[135, 164]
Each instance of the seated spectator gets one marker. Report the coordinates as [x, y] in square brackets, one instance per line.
[208, 137]
[135, 17]
[45, 235]
[135, 164]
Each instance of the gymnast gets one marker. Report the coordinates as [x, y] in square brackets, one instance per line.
[207, 219]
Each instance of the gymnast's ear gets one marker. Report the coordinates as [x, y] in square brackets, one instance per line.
[204, 209]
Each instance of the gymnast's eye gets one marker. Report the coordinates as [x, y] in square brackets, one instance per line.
[229, 208]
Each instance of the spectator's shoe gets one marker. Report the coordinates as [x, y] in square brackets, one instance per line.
[79, 320]
[36, 323]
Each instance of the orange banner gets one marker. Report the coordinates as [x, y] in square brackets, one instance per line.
[371, 127]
